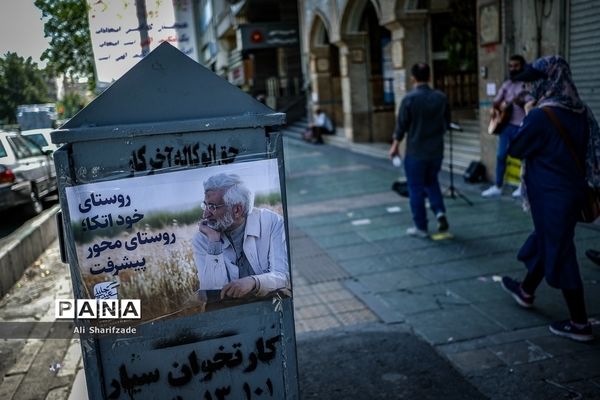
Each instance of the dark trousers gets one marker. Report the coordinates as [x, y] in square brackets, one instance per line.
[422, 179]
[318, 132]
[573, 297]
[507, 135]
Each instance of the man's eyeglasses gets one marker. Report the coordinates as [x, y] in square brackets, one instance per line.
[211, 207]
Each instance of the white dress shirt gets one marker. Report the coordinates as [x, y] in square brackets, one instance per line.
[323, 121]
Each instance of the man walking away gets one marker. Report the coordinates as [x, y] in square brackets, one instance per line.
[423, 118]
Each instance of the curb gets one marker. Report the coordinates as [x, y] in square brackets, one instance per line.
[24, 246]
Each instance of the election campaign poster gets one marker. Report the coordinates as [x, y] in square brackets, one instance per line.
[183, 242]
[125, 31]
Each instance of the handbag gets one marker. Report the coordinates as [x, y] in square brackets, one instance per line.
[590, 210]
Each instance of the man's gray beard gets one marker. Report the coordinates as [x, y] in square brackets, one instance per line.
[224, 223]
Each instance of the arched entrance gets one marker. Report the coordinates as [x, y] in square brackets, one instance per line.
[367, 74]
[325, 73]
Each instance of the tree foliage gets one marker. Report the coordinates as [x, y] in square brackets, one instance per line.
[70, 105]
[21, 82]
[70, 49]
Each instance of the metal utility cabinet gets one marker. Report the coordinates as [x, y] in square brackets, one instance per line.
[131, 178]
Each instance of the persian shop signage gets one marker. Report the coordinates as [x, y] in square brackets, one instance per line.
[267, 36]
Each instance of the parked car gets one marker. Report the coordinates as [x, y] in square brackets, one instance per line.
[26, 175]
[42, 138]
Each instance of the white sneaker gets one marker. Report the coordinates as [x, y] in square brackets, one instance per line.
[517, 193]
[414, 231]
[492, 191]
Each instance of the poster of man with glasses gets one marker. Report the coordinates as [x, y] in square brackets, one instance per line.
[239, 249]
[183, 241]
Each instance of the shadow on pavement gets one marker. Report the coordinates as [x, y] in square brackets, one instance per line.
[376, 362]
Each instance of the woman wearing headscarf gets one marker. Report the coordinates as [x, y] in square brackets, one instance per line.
[555, 189]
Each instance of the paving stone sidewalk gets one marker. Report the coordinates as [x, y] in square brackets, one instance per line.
[445, 291]
[42, 363]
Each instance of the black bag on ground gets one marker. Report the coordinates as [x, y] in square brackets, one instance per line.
[400, 187]
[475, 173]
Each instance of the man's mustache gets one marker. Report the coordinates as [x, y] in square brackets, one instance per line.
[213, 224]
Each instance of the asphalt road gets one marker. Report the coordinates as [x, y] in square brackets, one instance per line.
[14, 218]
[376, 362]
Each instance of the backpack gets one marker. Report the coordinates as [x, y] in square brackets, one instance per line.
[475, 173]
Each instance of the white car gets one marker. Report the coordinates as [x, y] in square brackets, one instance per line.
[26, 175]
[42, 138]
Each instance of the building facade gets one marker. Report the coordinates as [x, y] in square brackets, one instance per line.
[357, 56]
[255, 45]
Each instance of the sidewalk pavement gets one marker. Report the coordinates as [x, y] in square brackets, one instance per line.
[447, 292]
[402, 317]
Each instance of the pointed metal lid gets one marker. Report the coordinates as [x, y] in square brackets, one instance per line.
[168, 86]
